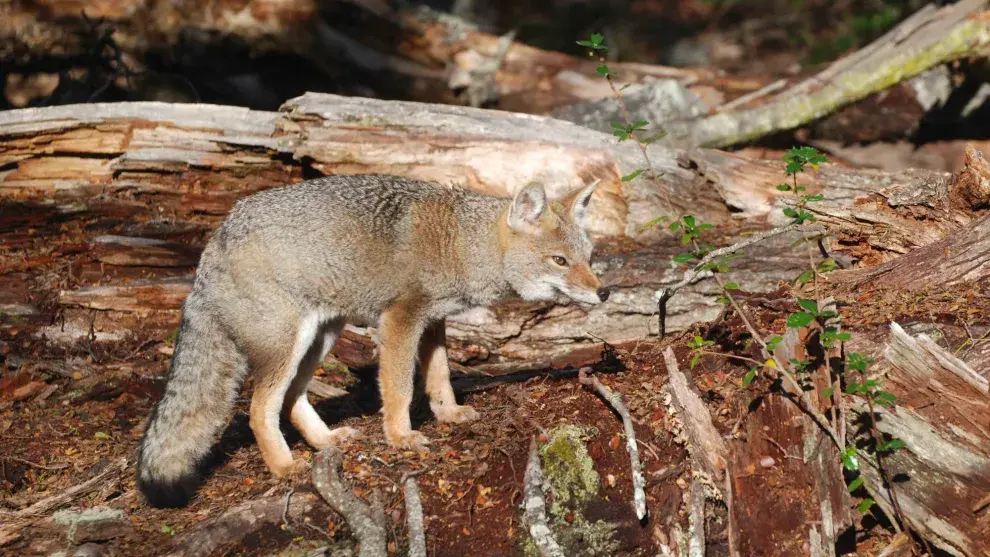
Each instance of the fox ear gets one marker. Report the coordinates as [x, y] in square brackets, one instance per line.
[527, 206]
[577, 201]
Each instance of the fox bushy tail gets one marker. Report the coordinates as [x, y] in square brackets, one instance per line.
[204, 378]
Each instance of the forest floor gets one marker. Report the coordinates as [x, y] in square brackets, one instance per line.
[66, 416]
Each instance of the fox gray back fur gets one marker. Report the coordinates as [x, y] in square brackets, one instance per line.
[290, 266]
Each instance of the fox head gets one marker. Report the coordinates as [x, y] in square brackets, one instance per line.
[547, 249]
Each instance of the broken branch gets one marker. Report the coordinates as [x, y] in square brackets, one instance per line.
[615, 401]
[360, 517]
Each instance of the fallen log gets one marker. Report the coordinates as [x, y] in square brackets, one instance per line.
[928, 38]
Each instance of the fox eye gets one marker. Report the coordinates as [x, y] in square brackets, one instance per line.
[559, 260]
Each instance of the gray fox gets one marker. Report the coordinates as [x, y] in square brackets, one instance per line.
[291, 265]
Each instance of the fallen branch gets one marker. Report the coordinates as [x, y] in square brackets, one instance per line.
[360, 517]
[615, 401]
[535, 513]
[414, 517]
[928, 38]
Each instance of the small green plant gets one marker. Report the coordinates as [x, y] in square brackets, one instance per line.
[813, 314]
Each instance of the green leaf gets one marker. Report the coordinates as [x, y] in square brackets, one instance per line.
[853, 388]
[674, 226]
[865, 505]
[101, 435]
[793, 168]
[602, 70]
[857, 361]
[731, 286]
[809, 305]
[826, 265]
[688, 221]
[827, 393]
[856, 483]
[748, 378]
[814, 197]
[683, 257]
[587, 44]
[695, 360]
[632, 175]
[850, 460]
[804, 277]
[783, 187]
[844, 337]
[893, 445]
[885, 399]
[597, 39]
[791, 212]
[657, 136]
[166, 529]
[800, 320]
[639, 125]
[651, 223]
[704, 226]
[774, 341]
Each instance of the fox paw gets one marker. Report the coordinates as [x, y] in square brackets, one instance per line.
[411, 441]
[454, 414]
[336, 437]
[294, 468]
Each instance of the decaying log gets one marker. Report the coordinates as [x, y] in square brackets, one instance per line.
[134, 162]
[944, 469]
[236, 524]
[961, 257]
[928, 38]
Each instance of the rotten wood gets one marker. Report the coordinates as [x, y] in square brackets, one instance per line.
[707, 448]
[16, 521]
[242, 521]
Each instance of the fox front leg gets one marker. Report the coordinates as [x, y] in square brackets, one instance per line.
[433, 359]
[401, 329]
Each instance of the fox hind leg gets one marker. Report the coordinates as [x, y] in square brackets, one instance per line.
[301, 412]
[275, 368]
[433, 359]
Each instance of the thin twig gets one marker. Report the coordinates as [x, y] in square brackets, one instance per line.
[615, 400]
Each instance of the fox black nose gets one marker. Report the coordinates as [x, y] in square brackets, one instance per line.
[603, 293]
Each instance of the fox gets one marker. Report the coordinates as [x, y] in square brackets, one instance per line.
[290, 266]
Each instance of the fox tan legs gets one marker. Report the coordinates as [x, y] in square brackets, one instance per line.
[400, 331]
[281, 383]
[301, 412]
[433, 359]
